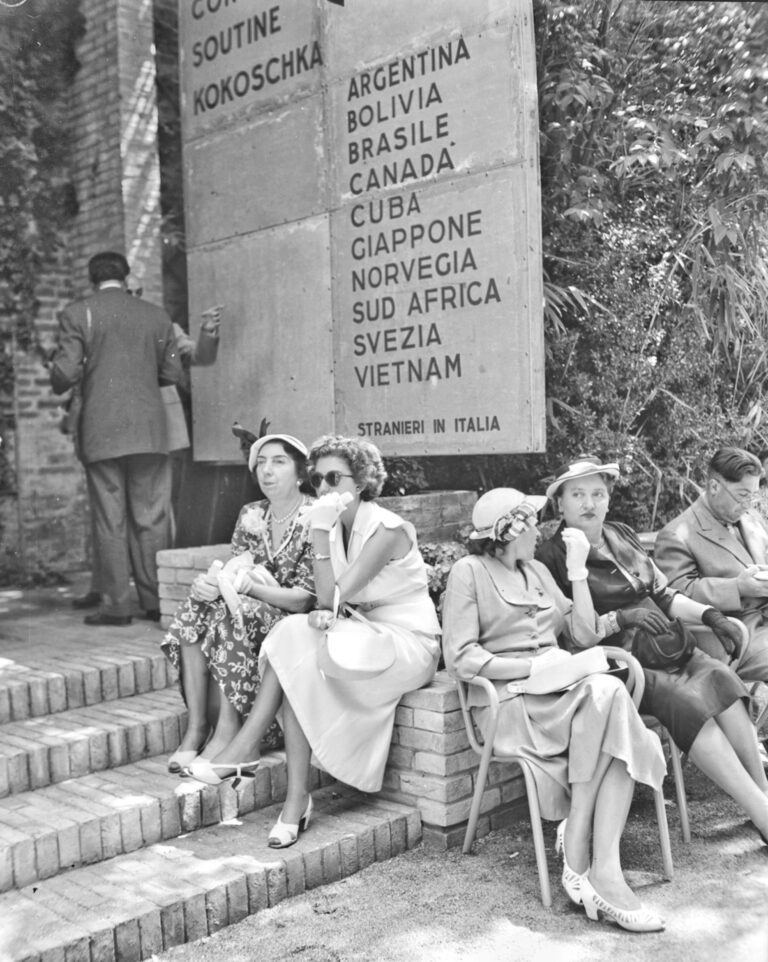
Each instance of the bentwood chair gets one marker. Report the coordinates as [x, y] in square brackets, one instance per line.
[482, 744]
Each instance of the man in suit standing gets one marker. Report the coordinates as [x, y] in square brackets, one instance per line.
[120, 350]
[716, 552]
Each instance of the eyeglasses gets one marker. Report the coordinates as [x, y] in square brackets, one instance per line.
[746, 500]
[331, 478]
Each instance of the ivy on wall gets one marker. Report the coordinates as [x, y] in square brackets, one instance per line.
[37, 65]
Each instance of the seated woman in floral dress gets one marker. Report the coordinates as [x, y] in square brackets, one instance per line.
[216, 649]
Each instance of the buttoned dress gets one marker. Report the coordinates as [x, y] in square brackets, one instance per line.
[490, 612]
[684, 699]
[349, 723]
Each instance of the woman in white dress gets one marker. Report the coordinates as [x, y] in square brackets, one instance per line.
[368, 558]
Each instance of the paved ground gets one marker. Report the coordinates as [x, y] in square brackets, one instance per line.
[435, 907]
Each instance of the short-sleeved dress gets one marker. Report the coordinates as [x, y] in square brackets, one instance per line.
[348, 723]
[681, 700]
[490, 611]
[232, 644]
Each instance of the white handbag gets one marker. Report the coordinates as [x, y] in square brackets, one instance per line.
[354, 647]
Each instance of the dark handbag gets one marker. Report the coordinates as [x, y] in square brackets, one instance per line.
[667, 651]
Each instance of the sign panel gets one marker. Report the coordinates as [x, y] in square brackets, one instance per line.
[402, 139]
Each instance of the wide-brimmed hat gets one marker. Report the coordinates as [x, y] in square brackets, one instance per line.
[285, 438]
[582, 468]
[496, 504]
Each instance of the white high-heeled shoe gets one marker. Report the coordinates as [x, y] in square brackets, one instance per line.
[205, 771]
[571, 879]
[181, 760]
[284, 834]
[633, 920]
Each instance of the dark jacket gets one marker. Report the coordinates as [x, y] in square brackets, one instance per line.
[130, 352]
[608, 585]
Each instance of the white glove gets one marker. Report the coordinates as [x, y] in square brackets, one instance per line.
[244, 578]
[205, 588]
[321, 619]
[323, 513]
[576, 551]
[237, 563]
[228, 593]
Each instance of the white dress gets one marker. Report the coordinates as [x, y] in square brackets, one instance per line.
[349, 723]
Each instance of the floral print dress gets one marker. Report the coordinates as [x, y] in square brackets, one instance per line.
[231, 644]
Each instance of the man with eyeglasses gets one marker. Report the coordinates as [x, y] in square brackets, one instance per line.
[716, 552]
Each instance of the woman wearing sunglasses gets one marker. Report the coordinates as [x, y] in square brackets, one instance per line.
[366, 557]
[214, 642]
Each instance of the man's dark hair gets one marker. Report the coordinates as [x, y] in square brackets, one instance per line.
[732, 464]
[107, 266]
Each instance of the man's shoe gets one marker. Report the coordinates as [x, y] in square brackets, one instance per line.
[91, 600]
[152, 614]
[113, 621]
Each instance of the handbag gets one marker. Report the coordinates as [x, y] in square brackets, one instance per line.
[354, 648]
[665, 652]
[557, 670]
[73, 407]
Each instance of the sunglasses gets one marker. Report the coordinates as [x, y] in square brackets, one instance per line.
[331, 478]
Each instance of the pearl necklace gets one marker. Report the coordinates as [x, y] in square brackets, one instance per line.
[276, 520]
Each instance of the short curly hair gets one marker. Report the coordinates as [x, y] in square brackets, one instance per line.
[363, 458]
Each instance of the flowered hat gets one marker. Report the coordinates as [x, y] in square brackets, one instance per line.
[505, 513]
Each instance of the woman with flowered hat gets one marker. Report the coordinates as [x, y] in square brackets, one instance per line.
[502, 615]
[216, 634]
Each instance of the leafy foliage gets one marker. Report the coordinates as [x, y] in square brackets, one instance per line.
[36, 198]
[654, 138]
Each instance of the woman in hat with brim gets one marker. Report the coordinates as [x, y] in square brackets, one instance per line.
[703, 704]
[367, 558]
[588, 745]
[214, 643]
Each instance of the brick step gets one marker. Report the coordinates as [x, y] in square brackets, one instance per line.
[100, 815]
[47, 749]
[46, 674]
[136, 905]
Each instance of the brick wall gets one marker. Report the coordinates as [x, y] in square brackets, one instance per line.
[115, 173]
[52, 504]
[432, 767]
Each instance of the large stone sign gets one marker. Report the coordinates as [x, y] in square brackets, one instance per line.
[362, 195]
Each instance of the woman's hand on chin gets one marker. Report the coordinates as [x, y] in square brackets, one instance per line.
[576, 552]
[323, 513]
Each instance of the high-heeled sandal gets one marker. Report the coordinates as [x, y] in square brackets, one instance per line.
[633, 920]
[284, 834]
[571, 879]
[205, 771]
[181, 760]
